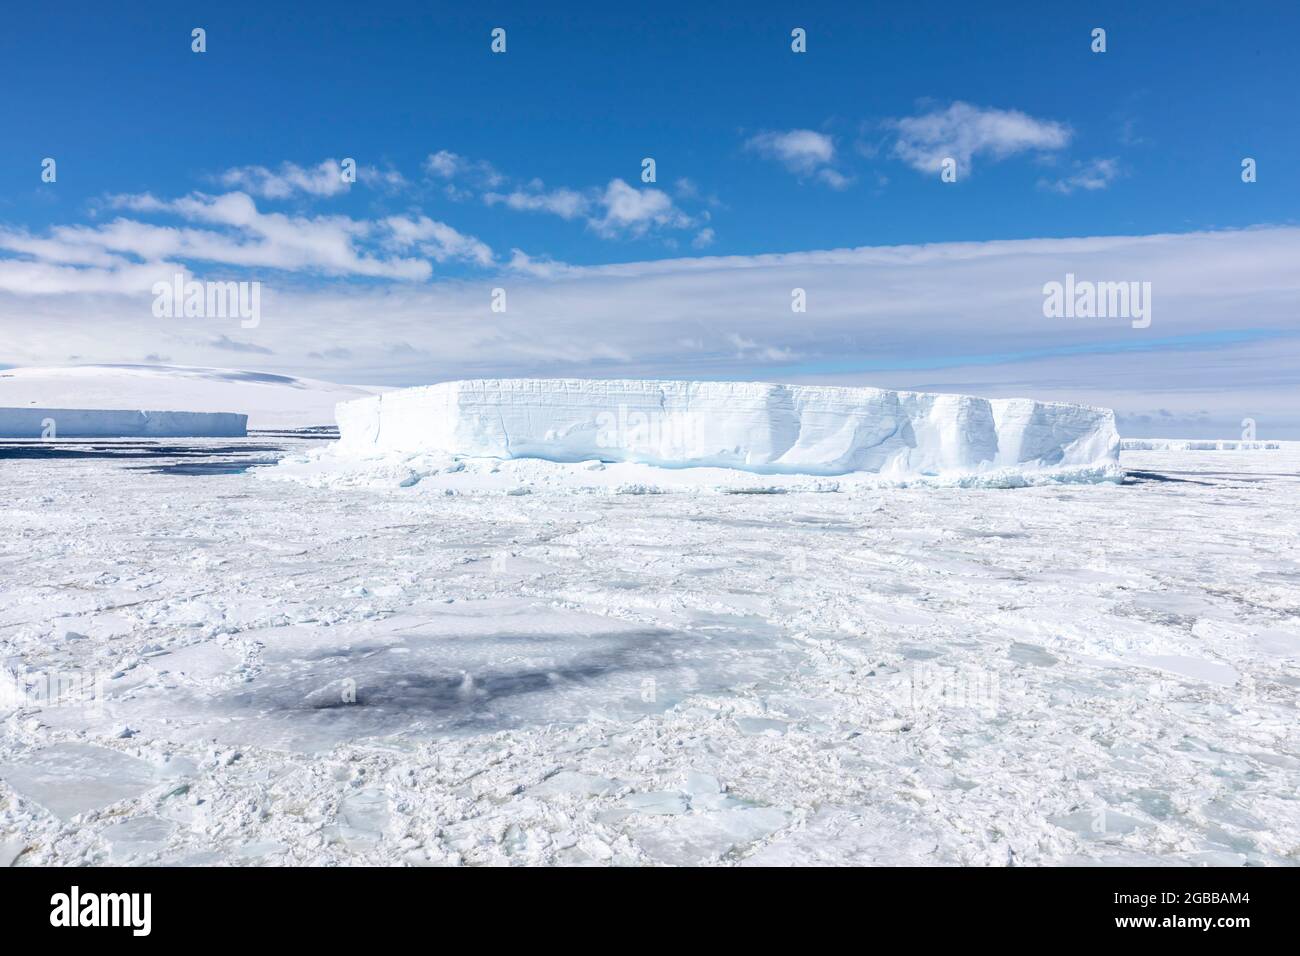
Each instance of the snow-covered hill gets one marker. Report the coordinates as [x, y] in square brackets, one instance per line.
[269, 401]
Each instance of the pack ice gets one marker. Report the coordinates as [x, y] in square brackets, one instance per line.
[748, 426]
[118, 423]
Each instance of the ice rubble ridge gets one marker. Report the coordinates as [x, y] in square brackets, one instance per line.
[752, 426]
[118, 423]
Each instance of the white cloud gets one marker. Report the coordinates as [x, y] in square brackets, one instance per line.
[804, 152]
[387, 179]
[686, 188]
[323, 179]
[565, 203]
[834, 179]
[538, 267]
[747, 350]
[961, 317]
[226, 230]
[1092, 175]
[437, 240]
[445, 164]
[618, 210]
[631, 211]
[963, 131]
[800, 150]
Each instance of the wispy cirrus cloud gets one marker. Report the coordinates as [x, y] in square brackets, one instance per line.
[963, 131]
[446, 165]
[565, 203]
[1090, 176]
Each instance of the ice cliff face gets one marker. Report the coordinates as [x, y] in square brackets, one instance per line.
[57, 423]
[753, 426]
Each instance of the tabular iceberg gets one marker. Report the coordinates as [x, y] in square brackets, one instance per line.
[749, 426]
[118, 423]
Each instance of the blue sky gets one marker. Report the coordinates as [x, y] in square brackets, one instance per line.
[522, 170]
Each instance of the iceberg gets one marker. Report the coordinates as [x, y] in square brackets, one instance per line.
[58, 423]
[747, 426]
[272, 402]
[1181, 444]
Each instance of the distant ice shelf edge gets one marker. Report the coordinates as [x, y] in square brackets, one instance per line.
[59, 423]
[749, 426]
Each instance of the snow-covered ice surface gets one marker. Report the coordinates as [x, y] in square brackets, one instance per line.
[269, 401]
[262, 672]
[745, 426]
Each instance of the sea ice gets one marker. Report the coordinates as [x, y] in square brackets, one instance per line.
[71, 778]
[940, 674]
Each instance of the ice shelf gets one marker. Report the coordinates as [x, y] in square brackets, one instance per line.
[58, 423]
[752, 426]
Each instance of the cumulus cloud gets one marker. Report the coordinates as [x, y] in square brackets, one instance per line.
[443, 163]
[801, 150]
[436, 240]
[963, 131]
[804, 152]
[626, 210]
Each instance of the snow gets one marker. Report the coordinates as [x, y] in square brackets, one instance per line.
[118, 423]
[269, 401]
[299, 672]
[746, 426]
